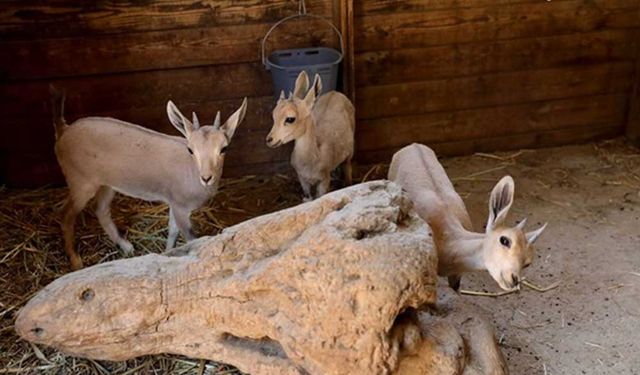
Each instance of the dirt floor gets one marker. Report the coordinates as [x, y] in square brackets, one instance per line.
[589, 195]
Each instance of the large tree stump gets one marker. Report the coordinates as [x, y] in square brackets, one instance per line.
[328, 287]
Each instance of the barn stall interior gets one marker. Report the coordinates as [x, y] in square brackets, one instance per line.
[544, 91]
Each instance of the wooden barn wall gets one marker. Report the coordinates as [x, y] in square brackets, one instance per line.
[125, 59]
[480, 75]
[459, 75]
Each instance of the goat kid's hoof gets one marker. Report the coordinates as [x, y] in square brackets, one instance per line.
[76, 263]
[126, 247]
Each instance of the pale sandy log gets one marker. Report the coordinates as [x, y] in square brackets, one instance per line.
[315, 287]
[345, 284]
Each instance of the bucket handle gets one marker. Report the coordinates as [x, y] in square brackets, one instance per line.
[302, 13]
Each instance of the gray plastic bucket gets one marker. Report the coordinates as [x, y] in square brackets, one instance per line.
[285, 65]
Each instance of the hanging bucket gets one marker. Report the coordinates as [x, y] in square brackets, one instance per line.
[286, 64]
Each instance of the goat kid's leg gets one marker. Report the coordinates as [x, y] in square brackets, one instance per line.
[182, 219]
[323, 185]
[78, 199]
[173, 231]
[454, 282]
[306, 189]
[348, 172]
[103, 213]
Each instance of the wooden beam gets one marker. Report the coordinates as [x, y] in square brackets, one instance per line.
[633, 116]
[35, 19]
[451, 61]
[557, 137]
[371, 7]
[465, 125]
[80, 55]
[455, 26]
[492, 89]
[346, 26]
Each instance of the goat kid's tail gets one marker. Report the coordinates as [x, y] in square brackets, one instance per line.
[57, 110]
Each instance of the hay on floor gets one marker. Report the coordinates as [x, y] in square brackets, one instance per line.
[31, 251]
[32, 255]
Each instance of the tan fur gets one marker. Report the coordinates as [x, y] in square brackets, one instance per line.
[323, 132]
[417, 170]
[100, 156]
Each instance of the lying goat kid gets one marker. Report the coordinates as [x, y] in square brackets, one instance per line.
[501, 250]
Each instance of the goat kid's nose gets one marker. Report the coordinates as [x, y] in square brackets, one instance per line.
[515, 279]
[269, 139]
[37, 331]
[206, 179]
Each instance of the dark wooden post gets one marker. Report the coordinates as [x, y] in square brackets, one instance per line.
[633, 116]
[343, 17]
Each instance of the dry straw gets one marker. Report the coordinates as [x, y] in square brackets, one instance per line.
[31, 256]
[31, 252]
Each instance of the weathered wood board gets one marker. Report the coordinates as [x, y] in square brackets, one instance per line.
[419, 70]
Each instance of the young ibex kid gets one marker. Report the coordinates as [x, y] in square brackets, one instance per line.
[322, 128]
[100, 156]
[501, 250]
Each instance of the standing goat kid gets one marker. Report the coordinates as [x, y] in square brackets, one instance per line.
[322, 130]
[100, 156]
[501, 250]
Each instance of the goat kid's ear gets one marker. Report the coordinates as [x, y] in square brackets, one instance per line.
[302, 85]
[234, 120]
[317, 84]
[533, 236]
[500, 202]
[310, 98]
[178, 120]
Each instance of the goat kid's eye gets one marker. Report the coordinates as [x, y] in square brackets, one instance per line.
[290, 120]
[223, 150]
[190, 150]
[504, 241]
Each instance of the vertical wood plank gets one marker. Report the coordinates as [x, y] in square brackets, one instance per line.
[633, 116]
[346, 28]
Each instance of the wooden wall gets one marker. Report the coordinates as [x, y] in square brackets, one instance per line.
[460, 75]
[481, 75]
[125, 59]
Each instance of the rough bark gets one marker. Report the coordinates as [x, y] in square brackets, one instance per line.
[457, 338]
[333, 286]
